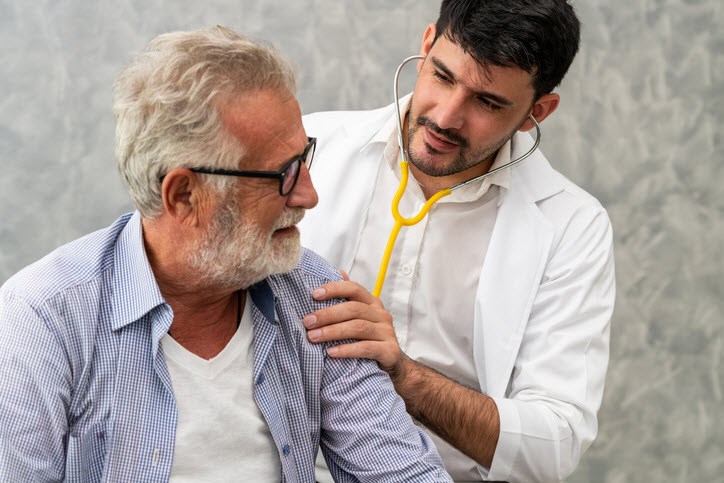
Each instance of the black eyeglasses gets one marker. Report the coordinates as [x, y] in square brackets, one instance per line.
[287, 175]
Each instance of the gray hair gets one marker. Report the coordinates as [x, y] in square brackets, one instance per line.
[166, 105]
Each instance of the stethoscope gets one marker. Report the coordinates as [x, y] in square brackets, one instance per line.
[400, 220]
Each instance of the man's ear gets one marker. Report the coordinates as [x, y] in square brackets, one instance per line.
[180, 192]
[543, 107]
[428, 39]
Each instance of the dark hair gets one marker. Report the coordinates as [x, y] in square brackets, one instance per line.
[540, 37]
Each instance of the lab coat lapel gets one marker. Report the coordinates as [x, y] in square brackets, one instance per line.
[349, 177]
[513, 268]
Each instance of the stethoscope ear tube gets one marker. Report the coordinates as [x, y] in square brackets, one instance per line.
[396, 96]
[509, 164]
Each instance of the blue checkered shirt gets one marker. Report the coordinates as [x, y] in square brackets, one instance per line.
[85, 394]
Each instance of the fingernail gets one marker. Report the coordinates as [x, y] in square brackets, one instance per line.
[314, 334]
[332, 351]
[318, 292]
[309, 321]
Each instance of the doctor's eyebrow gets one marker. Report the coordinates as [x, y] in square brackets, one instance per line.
[488, 95]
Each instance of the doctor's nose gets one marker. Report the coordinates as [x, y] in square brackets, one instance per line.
[451, 111]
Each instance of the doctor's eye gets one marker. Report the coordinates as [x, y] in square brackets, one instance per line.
[488, 104]
[441, 77]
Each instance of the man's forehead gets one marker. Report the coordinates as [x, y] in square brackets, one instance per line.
[447, 54]
[264, 110]
[264, 119]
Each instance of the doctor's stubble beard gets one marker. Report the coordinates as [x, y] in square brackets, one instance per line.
[466, 159]
[236, 253]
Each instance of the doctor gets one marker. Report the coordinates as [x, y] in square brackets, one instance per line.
[494, 320]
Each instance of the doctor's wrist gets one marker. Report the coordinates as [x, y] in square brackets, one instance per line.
[408, 378]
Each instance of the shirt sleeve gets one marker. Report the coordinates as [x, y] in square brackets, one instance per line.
[366, 434]
[548, 418]
[34, 395]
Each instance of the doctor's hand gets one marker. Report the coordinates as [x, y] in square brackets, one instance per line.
[362, 317]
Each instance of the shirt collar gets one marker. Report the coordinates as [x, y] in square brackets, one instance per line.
[388, 135]
[263, 297]
[135, 291]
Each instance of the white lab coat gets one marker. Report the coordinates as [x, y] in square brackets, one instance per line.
[544, 300]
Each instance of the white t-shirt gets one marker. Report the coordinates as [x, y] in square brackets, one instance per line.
[221, 434]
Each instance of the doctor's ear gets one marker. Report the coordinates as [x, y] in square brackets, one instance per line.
[543, 107]
[428, 40]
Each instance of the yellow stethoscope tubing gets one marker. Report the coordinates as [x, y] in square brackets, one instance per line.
[401, 221]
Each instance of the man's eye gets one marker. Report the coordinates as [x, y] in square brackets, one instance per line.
[441, 77]
[488, 104]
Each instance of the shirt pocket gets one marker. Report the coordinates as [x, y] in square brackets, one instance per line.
[86, 454]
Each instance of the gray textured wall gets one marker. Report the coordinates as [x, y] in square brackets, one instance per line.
[639, 127]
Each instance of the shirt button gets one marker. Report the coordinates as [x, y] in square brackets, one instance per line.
[406, 269]
[260, 378]
[286, 450]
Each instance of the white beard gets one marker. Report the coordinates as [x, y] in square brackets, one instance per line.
[235, 253]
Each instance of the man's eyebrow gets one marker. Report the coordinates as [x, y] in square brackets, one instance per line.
[488, 95]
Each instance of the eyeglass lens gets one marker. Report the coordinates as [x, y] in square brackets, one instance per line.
[290, 177]
[292, 172]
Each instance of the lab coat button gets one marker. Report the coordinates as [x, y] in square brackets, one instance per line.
[405, 269]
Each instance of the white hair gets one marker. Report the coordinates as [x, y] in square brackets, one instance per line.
[166, 105]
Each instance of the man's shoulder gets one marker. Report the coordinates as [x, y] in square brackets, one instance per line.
[536, 180]
[312, 271]
[74, 264]
[294, 288]
[572, 198]
[567, 209]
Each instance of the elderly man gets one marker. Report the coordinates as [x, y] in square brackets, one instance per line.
[170, 345]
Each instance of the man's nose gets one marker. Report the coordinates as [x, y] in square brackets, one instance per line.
[303, 195]
[451, 111]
